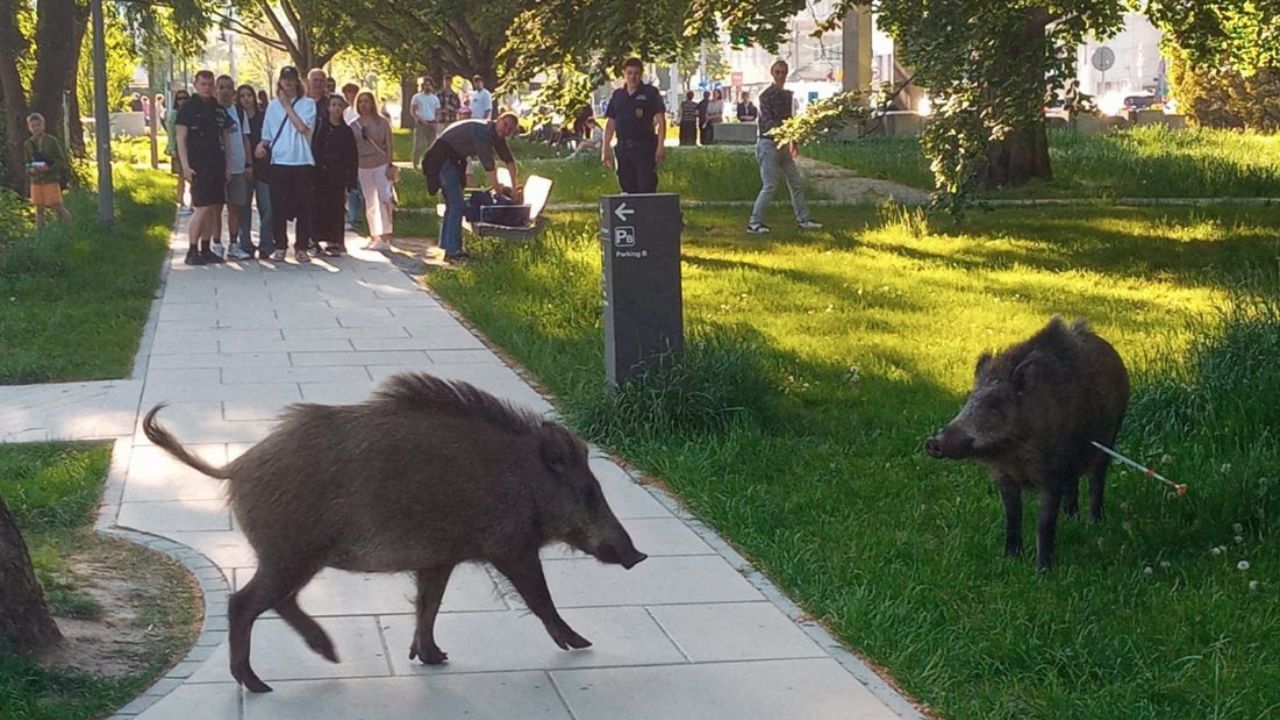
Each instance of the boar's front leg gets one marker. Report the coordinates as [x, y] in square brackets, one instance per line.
[1047, 524]
[431, 585]
[525, 573]
[1011, 496]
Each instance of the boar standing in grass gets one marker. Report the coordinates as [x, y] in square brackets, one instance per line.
[423, 476]
[1030, 417]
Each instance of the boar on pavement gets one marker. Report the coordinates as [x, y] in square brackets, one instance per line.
[1030, 418]
[424, 475]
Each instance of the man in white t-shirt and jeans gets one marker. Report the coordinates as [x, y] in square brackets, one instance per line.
[481, 100]
[423, 107]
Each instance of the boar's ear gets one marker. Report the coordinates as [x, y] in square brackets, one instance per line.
[557, 447]
[1033, 369]
[983, 360]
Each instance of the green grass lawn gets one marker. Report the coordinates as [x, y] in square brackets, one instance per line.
[74, 298]
[52, 491]
[819, 362]
[1148, 161]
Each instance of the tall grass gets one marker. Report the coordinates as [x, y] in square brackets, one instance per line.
[74, 296]
[1147, 161]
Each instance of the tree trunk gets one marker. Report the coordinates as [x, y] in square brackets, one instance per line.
[24, 616]
[408, 87]
[1023, 154]
[1019, 157]
[56, 54]
[75, 143]
[15, 96]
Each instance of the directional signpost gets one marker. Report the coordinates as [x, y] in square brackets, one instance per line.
[643, 312]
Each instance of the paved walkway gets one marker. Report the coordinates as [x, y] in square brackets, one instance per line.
[693, 632]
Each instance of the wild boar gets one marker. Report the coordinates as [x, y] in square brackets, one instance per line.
[1030, 417]
[424, 475]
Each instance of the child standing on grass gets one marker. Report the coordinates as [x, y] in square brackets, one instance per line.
[46, 167]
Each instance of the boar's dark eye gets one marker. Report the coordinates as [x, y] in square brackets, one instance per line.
[591, 495]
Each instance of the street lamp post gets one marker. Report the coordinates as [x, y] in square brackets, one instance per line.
[101, 120]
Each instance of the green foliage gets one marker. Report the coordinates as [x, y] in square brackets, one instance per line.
[990, 68]
[562, 94]
[122, 57]
[1224, 97]
[1236, 34]
[15, 217]
[822, 119]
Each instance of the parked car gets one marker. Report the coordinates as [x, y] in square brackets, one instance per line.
[1138, 101]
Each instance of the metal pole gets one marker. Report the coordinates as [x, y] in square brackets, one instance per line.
[101, 120]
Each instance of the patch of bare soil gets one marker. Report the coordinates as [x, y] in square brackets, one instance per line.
[846, 186]
[131, 610]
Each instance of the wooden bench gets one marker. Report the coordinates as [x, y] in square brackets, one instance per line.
[537, 192]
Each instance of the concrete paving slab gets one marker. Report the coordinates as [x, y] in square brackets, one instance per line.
[505, 696]
[817, 688]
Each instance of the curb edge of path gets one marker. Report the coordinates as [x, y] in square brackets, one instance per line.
[213, 584]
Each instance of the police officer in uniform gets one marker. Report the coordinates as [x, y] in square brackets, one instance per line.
[636, 113]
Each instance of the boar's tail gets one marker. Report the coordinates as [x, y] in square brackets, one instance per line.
[165, 439]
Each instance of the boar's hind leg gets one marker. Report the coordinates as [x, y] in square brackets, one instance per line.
[1011, 496]
[431, 585]
[270, 585]
[1097, 479]
[307, 627]
[525, 573]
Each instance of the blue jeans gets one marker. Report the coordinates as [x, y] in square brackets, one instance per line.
[355, 204]
[451, 227]
[776, 161]
[261, 194]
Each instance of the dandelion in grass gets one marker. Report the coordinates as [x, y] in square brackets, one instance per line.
[1148, 571]
[1238, 528]
[1255, 585]
[1242, 565]
[1215, 550]
[1239, 539]
[1165, 564]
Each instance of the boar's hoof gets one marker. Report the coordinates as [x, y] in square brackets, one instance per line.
[249, 679]
[432, 656]
[568, 639]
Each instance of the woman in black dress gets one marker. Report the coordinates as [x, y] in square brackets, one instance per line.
[334, 147]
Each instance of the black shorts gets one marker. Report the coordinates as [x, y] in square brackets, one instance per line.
[209, 187]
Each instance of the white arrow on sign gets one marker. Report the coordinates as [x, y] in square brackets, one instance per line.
[623, 212]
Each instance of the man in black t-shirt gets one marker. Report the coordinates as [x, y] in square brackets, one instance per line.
[202, 128]
[637, 114]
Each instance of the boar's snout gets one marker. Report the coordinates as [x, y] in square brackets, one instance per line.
[949, 443]
[618, 550]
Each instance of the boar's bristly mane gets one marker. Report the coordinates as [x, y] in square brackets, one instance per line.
[420, 391]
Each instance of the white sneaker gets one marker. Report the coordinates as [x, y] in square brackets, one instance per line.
[757, 228]
[378, 246]
[809, 225]
[218, 249]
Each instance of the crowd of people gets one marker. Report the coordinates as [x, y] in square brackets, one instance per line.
[309, 155]
[315, 156]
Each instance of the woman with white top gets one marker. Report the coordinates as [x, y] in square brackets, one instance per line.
[376, 173]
